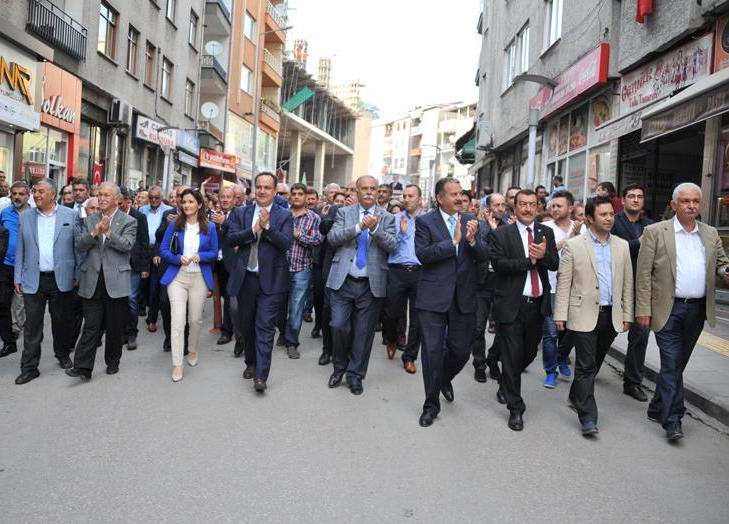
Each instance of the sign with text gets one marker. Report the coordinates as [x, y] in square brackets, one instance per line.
[60, 104]
[721, 44]
[217, 160]
[590, 71]
[148, 130]
[661, 77]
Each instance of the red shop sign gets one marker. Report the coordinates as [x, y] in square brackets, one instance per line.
[590, 71]
[216, 160]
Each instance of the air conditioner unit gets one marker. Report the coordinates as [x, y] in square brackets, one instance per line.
[120, 113]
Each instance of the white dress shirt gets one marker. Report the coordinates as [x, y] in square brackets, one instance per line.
[446, 217]
[80, 208]
[559, 235]
[690, 262]
[46, 237]
[525, 242]
[253, 256]
[191, 246]
[111, 217]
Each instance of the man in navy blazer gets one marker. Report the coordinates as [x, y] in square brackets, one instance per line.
[260, 278]
[449, 249]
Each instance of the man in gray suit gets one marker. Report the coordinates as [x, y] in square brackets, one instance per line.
[105, 241]
[45, 267]
[362, 237]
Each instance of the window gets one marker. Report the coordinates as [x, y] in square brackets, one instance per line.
[192, 36]
[167, 69]
[189, 97]
[107, 30]
[516, 57]
[249, 27]
[552, 22]
[150, 54]
[170, 10]
[246, 80]
[132, 45]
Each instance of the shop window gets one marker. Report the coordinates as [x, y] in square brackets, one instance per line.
[92, 148]
[108, 18]
[598, 169]
[576, 176]
[7, 145]
[578, 128]
[44, 154]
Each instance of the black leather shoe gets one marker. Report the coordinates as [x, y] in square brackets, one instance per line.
[589, 429]
[238, 350]
[325, 359]
[26, 377]
[654, 418]
[112, 370]
[494, 371]
[335, 379]
[447, 391]
[674, 433]
[249, 372]
[479, 375]
[78, 373]
[316, 333]
[635, 391]
[8, 349]
[281, 341]
[65, 363]
[166, 346]
[259, 385]
[516, 422]
[131, 343]
[355, 386]
[500, 397]
[224, 339]
[426, 419]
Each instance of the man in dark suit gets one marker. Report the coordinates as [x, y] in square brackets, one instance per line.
[629, 225]
[139, 259]
[521, 255]
[224, 264]
[448, 247]
[363, 235]
[260, 279]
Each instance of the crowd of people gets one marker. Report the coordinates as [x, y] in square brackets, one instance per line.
[534, 267]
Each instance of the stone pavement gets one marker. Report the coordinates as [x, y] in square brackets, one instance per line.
[136, 448]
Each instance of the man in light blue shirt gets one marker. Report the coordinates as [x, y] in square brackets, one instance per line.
[154, 211]
[402, 283]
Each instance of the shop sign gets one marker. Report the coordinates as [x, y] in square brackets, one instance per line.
[188, 141]
[589, 72]
[148, 130]
[17, 79]
[184, 158]
[216, 160]
[61, 99]
[687, 113]
[18, 114]
[621, 126]
[661, 77]
[721, 44]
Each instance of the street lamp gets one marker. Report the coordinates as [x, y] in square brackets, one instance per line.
[257, 96]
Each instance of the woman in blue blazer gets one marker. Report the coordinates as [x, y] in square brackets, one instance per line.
[190, 248]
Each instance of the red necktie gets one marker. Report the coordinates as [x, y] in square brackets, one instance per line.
[533, 273]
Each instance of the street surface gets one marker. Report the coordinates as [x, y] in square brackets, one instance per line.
[135, 448]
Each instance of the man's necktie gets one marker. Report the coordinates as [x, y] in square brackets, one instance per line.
[363, 242]
[452, 225]
[533, 273]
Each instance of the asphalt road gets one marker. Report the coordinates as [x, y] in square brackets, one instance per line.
[135, 447]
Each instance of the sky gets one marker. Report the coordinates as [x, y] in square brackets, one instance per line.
[406, 52]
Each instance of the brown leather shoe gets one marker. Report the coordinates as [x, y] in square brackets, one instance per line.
[391, 350]
[410, 367]
[152, 327]
[249, 372]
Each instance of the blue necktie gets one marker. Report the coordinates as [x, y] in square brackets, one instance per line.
[363, 243]
[452, 225]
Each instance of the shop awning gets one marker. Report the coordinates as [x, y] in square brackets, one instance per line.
[466, 147]
[706, 98]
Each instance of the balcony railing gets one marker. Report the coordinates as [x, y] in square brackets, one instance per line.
[270, 109]
[277, 16]
[275, 63]
[225, 6]
[57, 28]
[211, 62]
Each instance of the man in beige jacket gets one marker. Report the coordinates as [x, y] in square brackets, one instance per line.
[678, 262]
[594, 301]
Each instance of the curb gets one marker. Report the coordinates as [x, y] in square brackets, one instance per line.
[693, 393]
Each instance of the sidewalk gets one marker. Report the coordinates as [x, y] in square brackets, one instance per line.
[706, 378]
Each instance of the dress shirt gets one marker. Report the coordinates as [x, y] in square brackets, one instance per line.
[405, 251]
[191, 246]
[604, 261]
[10, 219]
[690, 262]
[559, 235]
[353, 269]
[528, 292]
[46, 237]
[447, 217]
[80, 208]
[111, 217]
[154, 219]
[253, 256]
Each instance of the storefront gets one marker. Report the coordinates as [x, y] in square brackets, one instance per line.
[18, 91]
[217, 166]
[94, 144]
[151, 153]
[52, 151]
[187, 158]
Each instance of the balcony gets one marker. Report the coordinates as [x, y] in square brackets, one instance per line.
[57, 28]
[211, 62]
[276, 15]
[275, 21]
[270, 114]
[275, 63]
[225, 6]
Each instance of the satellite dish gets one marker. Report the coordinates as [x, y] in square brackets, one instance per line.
[213, 48]
[209, 110]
